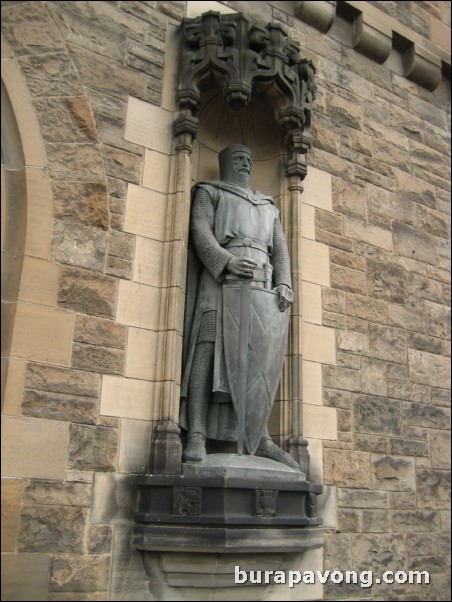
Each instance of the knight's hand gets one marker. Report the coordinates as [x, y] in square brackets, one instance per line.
[285, 296]
[241, 266]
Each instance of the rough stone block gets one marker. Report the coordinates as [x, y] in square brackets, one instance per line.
[388, 343]
[114, 499]
[121, 245]
[428, 543]
[87, 292]
[79, 574]
[66, 120]
[81, 202]
[385, 282]
[334, 241]
[52, 529]
[371, 310]
[346, 468]
[97, 331]
[34, 448]
[409, 447]
[369, 233]
[390, 205]
[120, 164]
[61, 380]
[79, 245]
[433, 489]
[373, 376]
[440, 449]
[414, 243]
[343, 111]
[375, 521]
[75, 162]
[434, 222]
[363, 498]
[36, 567]
[349, 199]
[424, 288]
[352, 341]
[51, 493]
[438, 320]
[393, 473]
[100, 538]
[371, 443]
[341, 378]
[377, 552]
[60, 406]
[429, 369]
[92, 448]
[51, 75]
[352, 281]
[415, 521]
[100, 359]
[377, 415]
[408, 391]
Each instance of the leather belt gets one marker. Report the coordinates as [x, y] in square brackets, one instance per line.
[247, 242]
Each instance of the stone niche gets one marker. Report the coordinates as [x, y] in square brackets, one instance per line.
[241, 82]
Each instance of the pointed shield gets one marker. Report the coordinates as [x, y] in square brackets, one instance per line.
[255, 340]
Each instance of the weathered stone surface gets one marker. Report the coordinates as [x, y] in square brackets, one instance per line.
[341, 378]
[146, 12]
[121, 244]
[337, 399]
[377, 552]
[415, 521]
[52, 529]
[35, 586]
[337, 550]
[346, 468]
[376, 415]
[114, 499]
[80, 202]
[425, 288]
[82, 574]
[30, 31]
[101, 359]
[371, 443]
[77, 596]
[428, 543]
[409, 317]
[51, 493]
[429, 369]
[333, 300]
[121, 164]
[66, 119]
[334, 240]
[434, 564]
[349, 260]
[87, 34]
[92, 447]
[348, 360]
[60, 406]
[360, 142]
[408, 391]
[423, 415]
[365, 308]
[12, 490]
[87, 292]
[119, 267]
[349, 199]
[402, 500]
[100, 538]
[438, 320]
[375, 521]
[397, 372]
[427, 158]
[62, 380]
[352, 281]
[352, 341]
[424, 110]
[363, 498]
[326, 220]
[385, 282]
[373, 177]
[368, 233]
[434, 222]
[325, 135]
[415, 189]
[409, 447]
[433, 489]
[391, 154]
[349, 521]
[414, 243]
[98, 331]
[79, 245]
[75, 162]
[440, 449]
[443, 276]
[373, 376]
[388, 343]
[343, 111]
[357, 325]
[51, 75]
[423, 342]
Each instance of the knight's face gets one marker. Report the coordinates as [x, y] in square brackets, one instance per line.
[241, 162]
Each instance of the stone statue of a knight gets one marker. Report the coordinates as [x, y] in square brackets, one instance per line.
[237, 313]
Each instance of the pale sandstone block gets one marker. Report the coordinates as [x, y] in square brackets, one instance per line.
[195, 8]
[315, 448]
[315, 262]
[318, 343]
[14, 388]
[12, 493]
[39, 281]
[327, 507]
[138, 305]
[317, 189]
[7, 52]
[34, 567]
[148, 266]
[312, 383]
[141, 358]
[311, 302]
[39, 213]
[156, 171]
[34, 448]
[126, 398]
[170, 68]
[24, 113]
[145, 212]
[149, 126]
[319, 422]
[308, 222]
[43, 334]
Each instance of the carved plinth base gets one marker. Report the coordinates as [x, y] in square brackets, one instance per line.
[228, 503]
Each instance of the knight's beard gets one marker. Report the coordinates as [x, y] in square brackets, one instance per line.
[240, 178]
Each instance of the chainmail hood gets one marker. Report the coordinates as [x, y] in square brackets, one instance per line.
[227, 171]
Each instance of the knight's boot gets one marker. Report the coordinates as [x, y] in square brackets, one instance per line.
[268, 449]
[195, 450]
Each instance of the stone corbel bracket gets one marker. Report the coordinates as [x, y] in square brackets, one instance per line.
[376, 35]
[243, 57]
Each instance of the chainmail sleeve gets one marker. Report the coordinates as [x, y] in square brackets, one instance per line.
[280, 258]
[212, 255]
